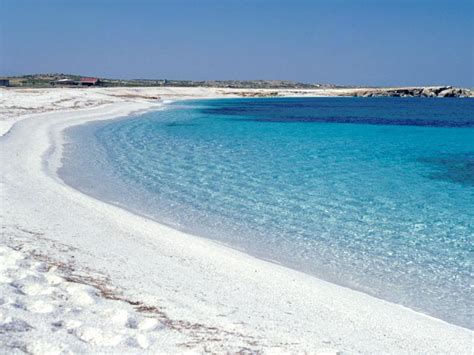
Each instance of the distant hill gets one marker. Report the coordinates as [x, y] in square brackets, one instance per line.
[70, 80]
[48, 80]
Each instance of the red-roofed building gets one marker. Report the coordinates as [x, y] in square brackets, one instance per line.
[89, 81]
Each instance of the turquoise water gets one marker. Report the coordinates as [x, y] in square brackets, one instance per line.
[376, 194]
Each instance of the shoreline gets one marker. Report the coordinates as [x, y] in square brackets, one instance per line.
[191, 278]
[377, 287]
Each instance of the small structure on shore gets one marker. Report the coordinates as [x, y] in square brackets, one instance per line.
[89, 81]
[4, 82]
[65, 81]
[80, 82]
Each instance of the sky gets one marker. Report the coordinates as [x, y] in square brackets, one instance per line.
[351, 42]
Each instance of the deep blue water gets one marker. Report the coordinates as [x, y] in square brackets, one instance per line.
[376, 194]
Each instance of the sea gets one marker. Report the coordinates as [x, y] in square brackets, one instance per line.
[374, 194]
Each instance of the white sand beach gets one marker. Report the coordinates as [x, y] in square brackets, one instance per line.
[78, 275]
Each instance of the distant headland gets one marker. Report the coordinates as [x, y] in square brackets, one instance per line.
[72, 80]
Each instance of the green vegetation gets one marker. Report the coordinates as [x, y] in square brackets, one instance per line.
[50, 80]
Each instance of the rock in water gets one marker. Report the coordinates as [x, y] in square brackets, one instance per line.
[447, 93]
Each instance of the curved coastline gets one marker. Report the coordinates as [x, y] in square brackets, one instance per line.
[199, 279]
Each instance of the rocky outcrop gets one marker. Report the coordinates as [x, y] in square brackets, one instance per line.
[434, 91]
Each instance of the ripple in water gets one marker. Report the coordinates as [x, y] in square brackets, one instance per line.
[382, 204]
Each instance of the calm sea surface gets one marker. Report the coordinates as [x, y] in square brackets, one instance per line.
[376, 194]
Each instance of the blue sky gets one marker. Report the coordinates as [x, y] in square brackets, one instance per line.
[359, 42]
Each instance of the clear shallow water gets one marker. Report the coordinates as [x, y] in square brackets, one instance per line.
[376, 194]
